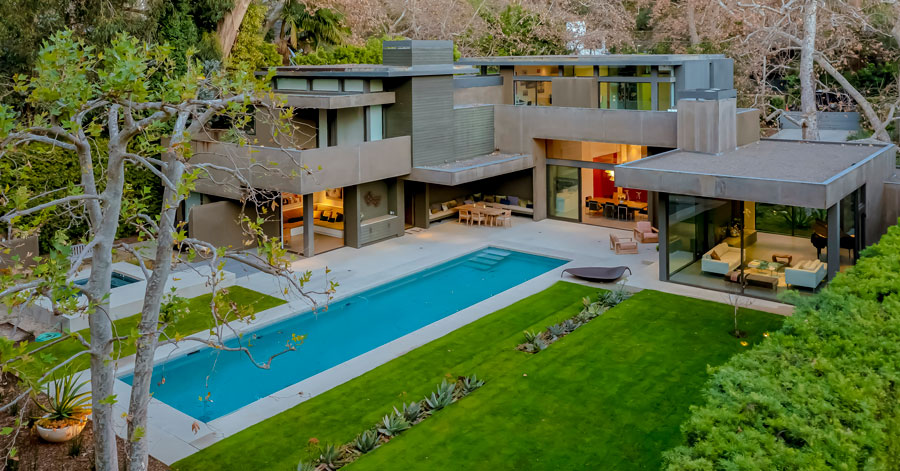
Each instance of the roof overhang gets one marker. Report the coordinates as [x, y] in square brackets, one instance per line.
[587, 59]
[331, 101]
[470, 170]
[795, 173]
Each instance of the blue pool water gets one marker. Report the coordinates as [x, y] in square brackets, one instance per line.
[116, 281]
[350, 327]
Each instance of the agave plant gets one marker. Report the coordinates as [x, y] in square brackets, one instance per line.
[410, 412]
[530, 335]
[366, 441]
[329, 455]
[393, 424]
[471, 383]
[442, 397]
[66, 405]
[539, 344]
[556, 330]
[306, 466]
[569, 325]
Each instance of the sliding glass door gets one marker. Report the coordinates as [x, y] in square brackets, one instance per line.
[563, 192]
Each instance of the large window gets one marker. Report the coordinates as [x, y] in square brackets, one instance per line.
[534, 93]
[562, 191]
[540, 70]
[787, 220]
[626, 96]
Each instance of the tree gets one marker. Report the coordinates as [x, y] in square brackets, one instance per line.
[826, 34]
[130, 96]
[301, 28]
[251, 49]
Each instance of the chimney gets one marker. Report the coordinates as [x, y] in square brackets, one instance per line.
[412, 52]
[707, 120]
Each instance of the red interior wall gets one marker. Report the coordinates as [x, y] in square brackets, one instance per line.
[603, 183]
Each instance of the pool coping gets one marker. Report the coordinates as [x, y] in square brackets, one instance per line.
[183, 435]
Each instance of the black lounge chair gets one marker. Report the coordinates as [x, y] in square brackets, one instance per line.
[597, 274]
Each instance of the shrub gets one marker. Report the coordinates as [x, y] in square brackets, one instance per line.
[250, 49]
[821, 393]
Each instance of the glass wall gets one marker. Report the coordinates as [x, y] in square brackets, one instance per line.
[540, 70]
[727, 246]
[534, 93]
[788, 220]
[562, 191]
[578, 71]
[626, 96]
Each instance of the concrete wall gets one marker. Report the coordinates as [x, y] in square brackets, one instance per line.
[514, 184]
[432, 120]
[331, 167]
[575, 92]
[890, 203]
[708, 126]
[747, 126]
[516, 127]
[492, 95]
[219, 224]
[351, 127]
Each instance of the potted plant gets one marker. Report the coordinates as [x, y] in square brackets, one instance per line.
[66, 412]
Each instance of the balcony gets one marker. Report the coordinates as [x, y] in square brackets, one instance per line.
[276, 169]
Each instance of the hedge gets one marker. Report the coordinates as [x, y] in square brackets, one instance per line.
[821, 393]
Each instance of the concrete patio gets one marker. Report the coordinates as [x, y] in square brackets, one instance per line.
[174, 435]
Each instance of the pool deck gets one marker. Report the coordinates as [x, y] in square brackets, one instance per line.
[170, 431]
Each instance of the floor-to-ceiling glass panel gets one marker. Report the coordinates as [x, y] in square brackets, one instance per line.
[562, 191]
[533, 93]
[625, 96]
[665, 99]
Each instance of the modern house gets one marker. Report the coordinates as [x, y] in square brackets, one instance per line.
[605, 140]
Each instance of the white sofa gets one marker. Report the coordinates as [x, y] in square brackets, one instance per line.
[807, 273]
[729, 258]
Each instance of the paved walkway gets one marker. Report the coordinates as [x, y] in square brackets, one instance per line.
[174, 435]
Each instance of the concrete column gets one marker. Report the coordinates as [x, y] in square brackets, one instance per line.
[351, 216]
[834, 240]
[507, 73]
[396, 201]
[309, 238]
[660, 202]
[654, 89]
[323, 128]
[539, 179]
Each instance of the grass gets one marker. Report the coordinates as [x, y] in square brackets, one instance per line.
[195, 318]
[609, 396]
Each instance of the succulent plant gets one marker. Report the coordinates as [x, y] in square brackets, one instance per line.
[393, 424]
[442, 397]
[556, 330]
[329, 455]
[530, 336]
[539, 344]
[306, 466]
[471, 383]
[410, 412]
[366, 441]
[569, 325]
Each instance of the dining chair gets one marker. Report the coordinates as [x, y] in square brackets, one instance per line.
[465, 216]
[609, 210]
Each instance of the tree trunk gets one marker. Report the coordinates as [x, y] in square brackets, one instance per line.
[227, 29]
[807, 78]
[868, 111]
[102, 365]
[692, 23]
[139, 450]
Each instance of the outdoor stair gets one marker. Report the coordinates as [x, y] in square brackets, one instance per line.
[486, 259]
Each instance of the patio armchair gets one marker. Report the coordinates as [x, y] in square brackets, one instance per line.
[645, 232]
[622, 245]
[477, 217]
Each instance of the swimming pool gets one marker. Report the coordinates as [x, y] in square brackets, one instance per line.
[210, 383]
[117, 280]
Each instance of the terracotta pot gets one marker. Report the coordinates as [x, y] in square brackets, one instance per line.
[62, 434]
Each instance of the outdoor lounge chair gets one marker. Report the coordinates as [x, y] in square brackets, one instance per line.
[645, 232]
[622, 244]
[597, 274]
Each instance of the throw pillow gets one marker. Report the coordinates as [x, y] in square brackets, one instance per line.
[714, 255]
[317, 214]
[489, 198]
[339, 217]
[504, 201]
[513, 200]
[477, 196]
[523, 203]
[469, 201]
[452, 204]
[497, 198]
[444, 206]
[326, 215]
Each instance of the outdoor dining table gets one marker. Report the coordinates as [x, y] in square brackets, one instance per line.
[487, 211]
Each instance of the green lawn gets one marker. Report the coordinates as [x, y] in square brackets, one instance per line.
[196, 318]
[609, 396]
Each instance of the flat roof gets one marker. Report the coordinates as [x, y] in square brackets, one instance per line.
[466, 170]
[585, 59]
[368, 70]
[797, 173]
[769, 159]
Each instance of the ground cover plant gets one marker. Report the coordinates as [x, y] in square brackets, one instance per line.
[821, 393]
[610, 395]
[391, 426]
[193, 315]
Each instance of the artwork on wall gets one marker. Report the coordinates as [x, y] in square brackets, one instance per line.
[372, 199]
[334, 193]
